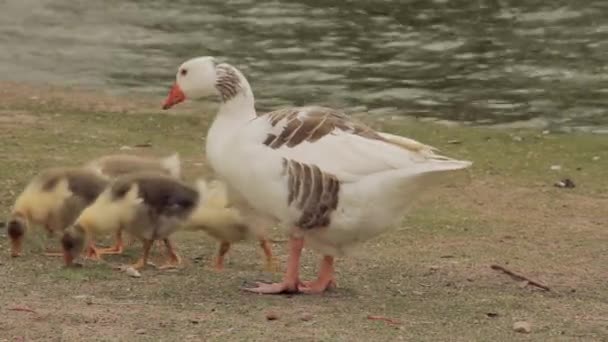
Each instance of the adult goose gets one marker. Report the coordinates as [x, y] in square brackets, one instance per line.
[334, 182]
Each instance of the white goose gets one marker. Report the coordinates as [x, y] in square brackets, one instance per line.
[333, 181]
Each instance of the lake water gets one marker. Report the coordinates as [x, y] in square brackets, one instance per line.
[482, 61]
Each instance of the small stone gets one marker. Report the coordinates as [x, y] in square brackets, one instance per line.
[545, 132]
[565, 183]
[555, 167]
[272, 316]
[595, 158]
[140, 331]
[125, 147]
[517, 138]
[522, 327]
[131, 272]
[454, 142]
[307, 316]
[434, 268]
[492, 314]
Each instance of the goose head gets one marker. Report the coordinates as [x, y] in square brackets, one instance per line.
[195, 79]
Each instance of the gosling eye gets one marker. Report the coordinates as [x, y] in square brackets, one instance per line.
[184, 72]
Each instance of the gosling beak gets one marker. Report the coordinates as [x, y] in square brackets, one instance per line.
[176, 95]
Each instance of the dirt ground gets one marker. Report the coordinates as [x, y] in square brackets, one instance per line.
[431, 277]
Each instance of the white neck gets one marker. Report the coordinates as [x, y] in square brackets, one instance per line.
[241, 105]
[231, 115]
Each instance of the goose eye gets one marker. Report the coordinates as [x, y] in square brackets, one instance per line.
[184, 72]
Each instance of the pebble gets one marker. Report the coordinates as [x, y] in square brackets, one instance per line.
[522, 327]
[595, 158]
[565, 183]
[556, 167]
[131, 272]
[272, 316]
[140, 331]
[306, 316]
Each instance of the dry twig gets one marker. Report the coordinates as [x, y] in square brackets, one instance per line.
[519, 277]
[385, 319]
[22, 308]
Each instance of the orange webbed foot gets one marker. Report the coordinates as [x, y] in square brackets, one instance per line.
[218, 265]
[317, 286]
[111, 250]
[139, 264]
[173, 263]
[275, 288]
[173, 259]
[92, 253]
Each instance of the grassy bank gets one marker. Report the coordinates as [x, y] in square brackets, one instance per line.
[432, 275]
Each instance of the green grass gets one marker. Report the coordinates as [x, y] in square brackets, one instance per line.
[432, 274]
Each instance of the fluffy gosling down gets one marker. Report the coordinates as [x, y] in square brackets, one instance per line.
[56, 196]
[116, 165]
[151, 207]
[53, 199]
[120, 164]
[226, 224]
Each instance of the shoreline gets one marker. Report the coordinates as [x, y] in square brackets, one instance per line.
[17, 94]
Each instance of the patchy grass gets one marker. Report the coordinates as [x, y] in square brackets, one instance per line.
[432, 274]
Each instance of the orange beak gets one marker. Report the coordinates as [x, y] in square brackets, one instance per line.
[176, 95]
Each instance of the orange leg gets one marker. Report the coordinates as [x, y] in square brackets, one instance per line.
[325, 280]
[291, 278]
[143, 261]
[92, 252]
[118, 247]
[218, 265]
[173, 259]
[270, 263]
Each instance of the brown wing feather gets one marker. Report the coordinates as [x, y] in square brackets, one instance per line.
[314, 125]
[312, 191]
